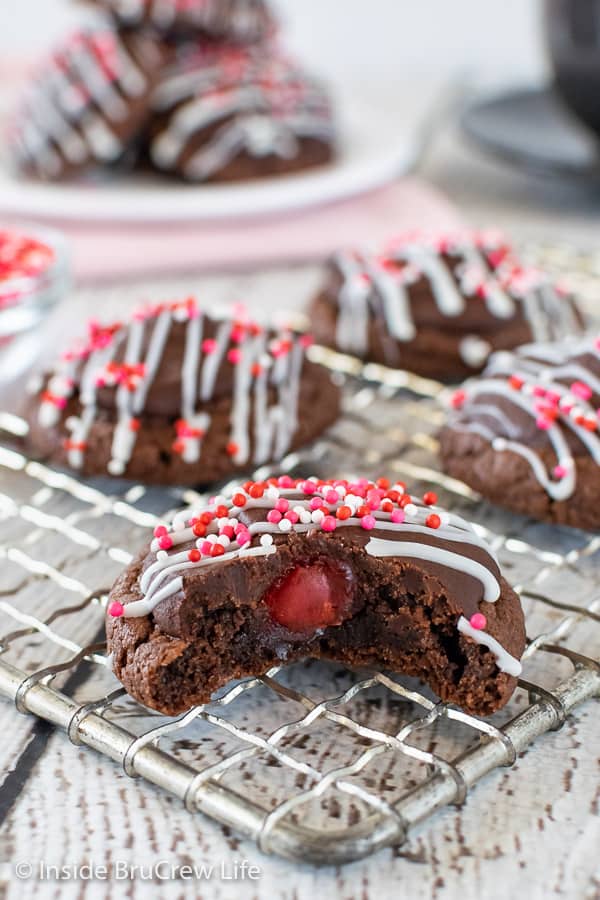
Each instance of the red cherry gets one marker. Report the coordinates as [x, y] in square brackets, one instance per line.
[312, 597]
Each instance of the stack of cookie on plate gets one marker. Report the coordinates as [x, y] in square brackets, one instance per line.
[199, 90]
[276, 568]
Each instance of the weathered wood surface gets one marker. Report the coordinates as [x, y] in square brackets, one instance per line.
[534, 829]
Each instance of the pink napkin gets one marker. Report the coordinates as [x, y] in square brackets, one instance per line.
[119, 251]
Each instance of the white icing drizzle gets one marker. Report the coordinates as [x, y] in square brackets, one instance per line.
[541, 372]
[74, 107]
[164, 577]
[372, 290]
[409, 550]
[504, 661]
[235, 19]
[268, 108]
[279, 358]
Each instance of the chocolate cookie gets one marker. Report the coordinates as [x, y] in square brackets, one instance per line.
[360, 573]
[526, 434]
[230, 115]
[180, 397]
[88, 104]
[438, 306]
[231, 20]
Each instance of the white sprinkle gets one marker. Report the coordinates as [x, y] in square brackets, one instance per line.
[116, 467]
[410, 509]
[223, 540]
[285, 525]
[318, 516]
[272, 492]
[499, 444]
[162, 555]
[266, 540]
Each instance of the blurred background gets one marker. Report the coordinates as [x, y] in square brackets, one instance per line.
[376, 39]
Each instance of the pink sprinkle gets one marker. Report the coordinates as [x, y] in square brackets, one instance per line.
[552, 397]
[243, 538]
[543, 423]
[309, 487]
[329, 523]
[368, 522]
[539, 391]
[398, 516]
[331, 497]
[285, 482]
[160, 531]
[116, 609]
[227, 530]
[373, 499]
[61, 402]
[209, 345]
[478, 621]
[274, 516]
[205, 548]
[165, 542]
[582, 390]
[282, 505]
[237, 334]
[316, 503]
[307, 340]
[234, 356]
[560, 472]
[292, 517]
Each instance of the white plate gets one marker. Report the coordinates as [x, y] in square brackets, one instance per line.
[381, 138]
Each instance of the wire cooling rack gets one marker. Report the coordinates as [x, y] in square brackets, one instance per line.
[313, 761]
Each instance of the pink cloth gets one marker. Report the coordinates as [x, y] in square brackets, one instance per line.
[118, 251]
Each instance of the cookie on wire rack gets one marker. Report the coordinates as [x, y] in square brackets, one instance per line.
[87, 104]
[180, 396]
[232, 114]
[438, 305]
[357, 572]
[526, 434]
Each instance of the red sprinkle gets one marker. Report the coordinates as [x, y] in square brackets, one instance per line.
[239, 500]
[430, 498]
[217, 550]
[116, 609]
[433, 521]
[194, 556]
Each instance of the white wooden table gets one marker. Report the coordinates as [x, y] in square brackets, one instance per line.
[533, 830]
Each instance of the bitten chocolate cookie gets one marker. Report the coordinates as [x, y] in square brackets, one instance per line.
[87, 104]
[438, 306]
[231, 20]
[361, 573]
[230, 115]
[179, 397]
[526, 434]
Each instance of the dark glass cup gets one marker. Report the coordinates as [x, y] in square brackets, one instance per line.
[573, 35]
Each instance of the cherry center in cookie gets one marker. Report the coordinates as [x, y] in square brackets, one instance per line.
[312, 597]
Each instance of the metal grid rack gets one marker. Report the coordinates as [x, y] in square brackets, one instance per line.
[312, 761]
